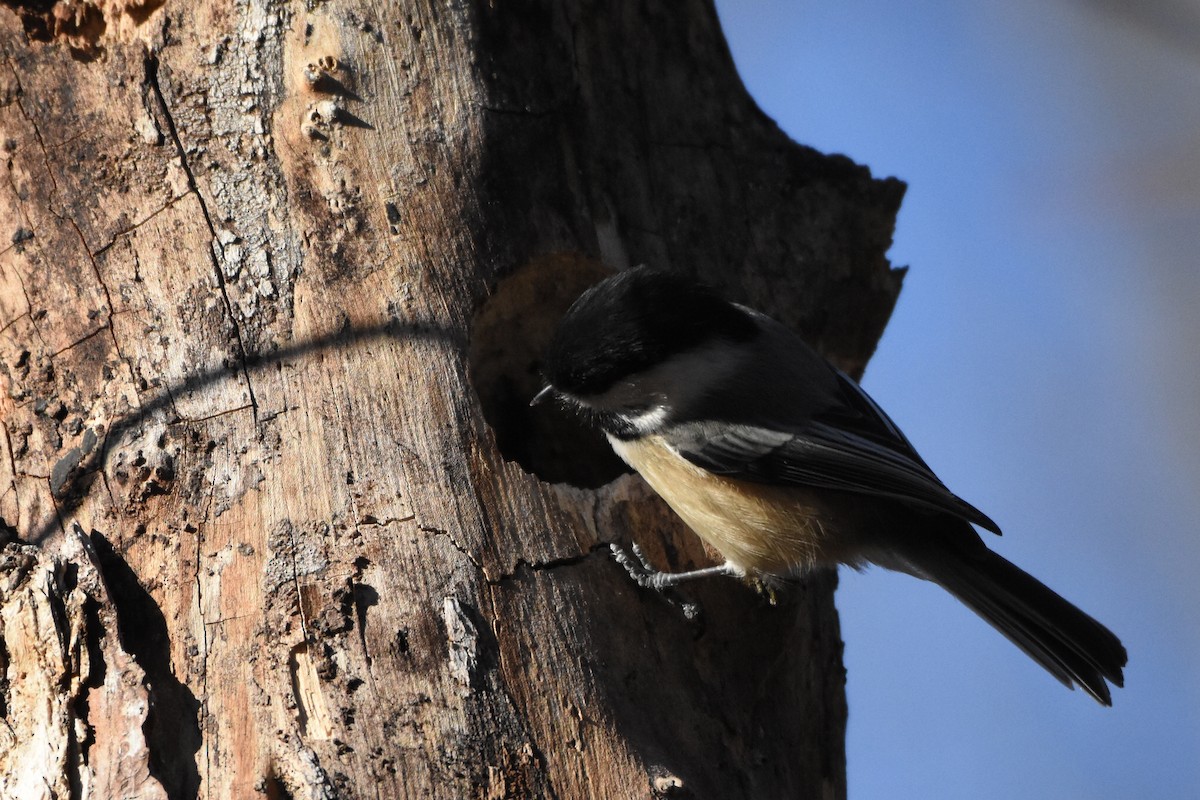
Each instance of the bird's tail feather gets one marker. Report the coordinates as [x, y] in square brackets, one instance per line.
[1068, 643]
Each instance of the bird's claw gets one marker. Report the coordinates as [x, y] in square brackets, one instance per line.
[639, 568]
[645, 575]
[766, 589]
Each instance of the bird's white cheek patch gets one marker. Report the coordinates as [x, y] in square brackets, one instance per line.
[668, 387]
[651, 420]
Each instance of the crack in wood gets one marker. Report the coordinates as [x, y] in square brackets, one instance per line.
[64, 218]
[152, 64]
[454, 543]
[23, 314]
[206, 741]
[36, 131]
[104, 248]
[549, 564]
[86, 337]
[12, 466]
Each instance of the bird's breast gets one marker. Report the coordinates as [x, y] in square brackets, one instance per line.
[758, 527]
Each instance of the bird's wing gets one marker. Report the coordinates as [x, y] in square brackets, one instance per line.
[854, 447]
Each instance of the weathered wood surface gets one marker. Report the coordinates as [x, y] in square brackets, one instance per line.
[257, 309]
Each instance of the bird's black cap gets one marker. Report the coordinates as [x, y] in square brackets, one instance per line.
[633, 321]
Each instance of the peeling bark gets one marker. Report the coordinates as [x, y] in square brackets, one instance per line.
[276, 517]
[75, 702]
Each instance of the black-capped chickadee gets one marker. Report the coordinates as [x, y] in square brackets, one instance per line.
[781, 463]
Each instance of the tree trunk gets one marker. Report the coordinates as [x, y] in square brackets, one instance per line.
[276, 517]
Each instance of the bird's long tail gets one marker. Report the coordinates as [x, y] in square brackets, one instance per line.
[1068, 643]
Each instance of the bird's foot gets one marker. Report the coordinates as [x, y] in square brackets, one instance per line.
[646, 576]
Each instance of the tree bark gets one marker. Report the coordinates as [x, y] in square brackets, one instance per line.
[276, 519]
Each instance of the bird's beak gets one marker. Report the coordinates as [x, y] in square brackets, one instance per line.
[542, 395]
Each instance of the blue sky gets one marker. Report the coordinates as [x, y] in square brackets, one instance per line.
[1044, 358]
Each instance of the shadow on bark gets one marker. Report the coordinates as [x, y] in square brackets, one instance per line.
[172, 725]
[72, 479]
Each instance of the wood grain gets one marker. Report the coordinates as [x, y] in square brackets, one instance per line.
[271, 525]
